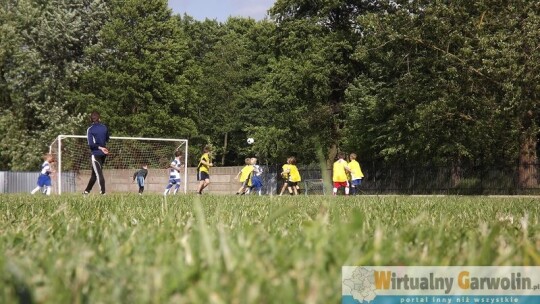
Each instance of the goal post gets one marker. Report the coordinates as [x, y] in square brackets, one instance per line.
[126, 156]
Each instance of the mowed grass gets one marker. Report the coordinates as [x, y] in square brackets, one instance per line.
[230, 249]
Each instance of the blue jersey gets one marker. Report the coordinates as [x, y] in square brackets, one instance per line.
[98, 136]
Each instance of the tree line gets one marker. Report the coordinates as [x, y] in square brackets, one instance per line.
[417, 82]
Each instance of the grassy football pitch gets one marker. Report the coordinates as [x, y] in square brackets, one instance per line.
[125, 248]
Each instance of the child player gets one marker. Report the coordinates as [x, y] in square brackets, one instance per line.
[140, 177]
[294, 177]
[244, 177]
[356, 174]
[44, 178]
[256, 180]
[174, 173]
[340, 174]
[285, 175]
[203, 169]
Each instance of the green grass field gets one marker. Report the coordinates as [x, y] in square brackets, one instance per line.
[229, 249]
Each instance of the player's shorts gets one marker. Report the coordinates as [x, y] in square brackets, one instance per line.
[292, 184]
[356, 182]
[44, 180]
[174, 180]
[256, 182]
[202, 175]
[341, 184]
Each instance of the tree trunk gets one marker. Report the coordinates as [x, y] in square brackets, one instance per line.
[456, 172]
[527, 171]
[225, 142]
[332, 152]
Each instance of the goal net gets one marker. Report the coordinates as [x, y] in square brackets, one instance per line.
[126, 155]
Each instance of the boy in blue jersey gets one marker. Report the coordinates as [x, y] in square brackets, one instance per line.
[256, 177]
[98, 136]
[174, 173]
[44, 179]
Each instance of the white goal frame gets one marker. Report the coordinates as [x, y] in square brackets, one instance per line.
[58, 142]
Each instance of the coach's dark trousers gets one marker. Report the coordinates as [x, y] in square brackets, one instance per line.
[97, 173]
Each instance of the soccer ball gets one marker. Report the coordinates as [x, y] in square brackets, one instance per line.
[250, 140]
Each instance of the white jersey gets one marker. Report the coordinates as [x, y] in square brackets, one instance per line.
[257, 170]
[45, 168]
[173, 173]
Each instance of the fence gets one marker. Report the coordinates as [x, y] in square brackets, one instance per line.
[473, 180]
[378, 180]
[17, 182]
[401, 179]
[222, 181]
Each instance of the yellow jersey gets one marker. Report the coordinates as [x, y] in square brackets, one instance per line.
[294, 174]
[285, 172]
[245, 173]
[204, 168]
[340, 172]
[356, 171]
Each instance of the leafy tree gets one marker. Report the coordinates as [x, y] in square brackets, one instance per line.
[41, 63]
[316, 39]
[508, 56]
[136, 78]
[231, 67]
[224, 70]
[448, 83]
[9, 41]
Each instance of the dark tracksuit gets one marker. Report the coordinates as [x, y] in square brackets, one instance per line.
[98, 136]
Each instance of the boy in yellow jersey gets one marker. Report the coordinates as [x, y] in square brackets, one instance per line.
[245, 177]
[294, 177]
[340, 174]
[285, 175]
[356, 174]
[203, 170]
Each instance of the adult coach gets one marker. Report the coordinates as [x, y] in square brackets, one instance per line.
[98, 136]
[203, 170]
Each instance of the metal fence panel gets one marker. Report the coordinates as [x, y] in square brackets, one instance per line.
[21, 182]
[379, 179]
[16, 182]
[3, 181]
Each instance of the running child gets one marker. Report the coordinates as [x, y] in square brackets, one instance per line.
[340, 178]
[44, 178]
[285, 175]
[140, 177]
[356, 174]
[244, 177]
[174, 173]
[203, 169]
[294, 177]
[256, 177]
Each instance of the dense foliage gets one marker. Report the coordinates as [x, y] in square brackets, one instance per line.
[440, 82]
